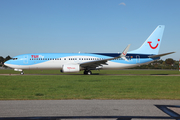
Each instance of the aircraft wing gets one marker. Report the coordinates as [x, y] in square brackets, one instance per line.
[160, 55]
[94, 64]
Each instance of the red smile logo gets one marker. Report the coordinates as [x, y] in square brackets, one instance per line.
[124, 53]
[152, 46]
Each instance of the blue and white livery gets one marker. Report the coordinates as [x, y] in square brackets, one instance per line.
[75, 62]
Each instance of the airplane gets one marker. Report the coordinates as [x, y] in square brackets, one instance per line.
[75, 62]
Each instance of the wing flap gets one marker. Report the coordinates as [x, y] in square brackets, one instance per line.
[93, 64]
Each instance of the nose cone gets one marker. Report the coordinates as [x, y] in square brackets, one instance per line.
[7, 63]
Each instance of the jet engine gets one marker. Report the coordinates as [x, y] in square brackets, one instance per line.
[70, 68]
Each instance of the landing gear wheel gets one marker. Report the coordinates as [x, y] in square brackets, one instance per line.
[22, 73]
[87, 72]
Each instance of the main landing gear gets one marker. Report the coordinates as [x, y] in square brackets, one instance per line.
[87, 72]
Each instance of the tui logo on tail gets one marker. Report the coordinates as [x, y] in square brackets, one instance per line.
[152, 46]
[124, 53]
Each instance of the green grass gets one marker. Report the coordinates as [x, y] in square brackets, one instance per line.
[57, 87]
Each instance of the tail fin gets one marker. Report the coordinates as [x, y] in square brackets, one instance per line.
[153, 42]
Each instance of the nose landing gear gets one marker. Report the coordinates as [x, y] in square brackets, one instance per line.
[22, 73]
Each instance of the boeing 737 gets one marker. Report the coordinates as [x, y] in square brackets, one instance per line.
[75, 62]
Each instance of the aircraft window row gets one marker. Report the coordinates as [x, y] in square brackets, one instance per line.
[129, 58]
[65, 58]
[72, 58]
[45, 59]
[85, 58]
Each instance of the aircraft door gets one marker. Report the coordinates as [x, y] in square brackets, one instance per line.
[25, 60]
[137, 59]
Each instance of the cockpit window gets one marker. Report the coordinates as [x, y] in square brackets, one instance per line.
[14, 58]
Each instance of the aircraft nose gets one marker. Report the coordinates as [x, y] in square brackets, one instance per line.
[7, 63]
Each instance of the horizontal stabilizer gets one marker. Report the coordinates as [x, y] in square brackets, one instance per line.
[160, 55]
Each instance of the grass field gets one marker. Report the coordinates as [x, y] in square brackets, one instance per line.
[77, 86]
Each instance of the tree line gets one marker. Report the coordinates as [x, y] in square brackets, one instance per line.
[158, 64]
[3, 60]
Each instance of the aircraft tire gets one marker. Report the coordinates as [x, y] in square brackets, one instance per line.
[87, 72]
[22, 73]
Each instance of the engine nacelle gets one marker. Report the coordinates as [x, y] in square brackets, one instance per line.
[70, 68]
[18, 70]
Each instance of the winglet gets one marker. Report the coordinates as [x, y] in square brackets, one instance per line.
[123, 54]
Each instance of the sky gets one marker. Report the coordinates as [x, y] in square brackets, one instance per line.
[86, 26]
